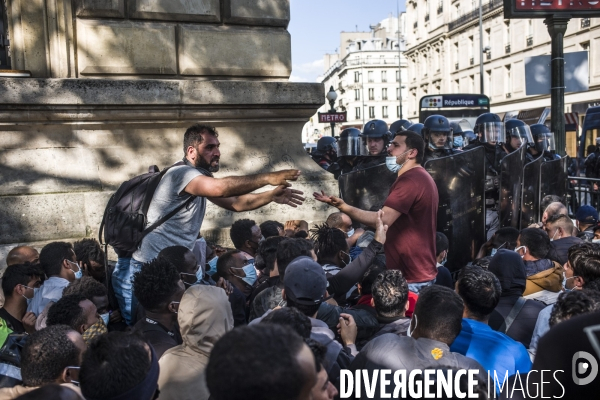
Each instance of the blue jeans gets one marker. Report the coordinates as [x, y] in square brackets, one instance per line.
[417, 286]
[121, 281]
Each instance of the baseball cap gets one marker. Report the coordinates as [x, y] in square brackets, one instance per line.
[587, 214]
[305, 282]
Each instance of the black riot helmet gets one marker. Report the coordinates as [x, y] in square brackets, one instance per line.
[400, 125]
[377, 128]
[416, 128]
[350, 144]
[490, 129]
[327, 145]
[517, 129]
[437, 132]
[543, 138]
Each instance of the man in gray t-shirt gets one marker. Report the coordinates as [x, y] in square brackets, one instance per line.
[201, 148]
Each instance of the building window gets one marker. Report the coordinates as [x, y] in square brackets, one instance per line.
[356, 94]
[488, 75]
[398, 111]
[384, 112]
[457, 86]
[585, 46]
[371, 94]
[384, 94]
[357, 112]
[397, 93]
[371, 112]
[472, 83]
[370, 76]
[383, 76]
[356, 76]
[508, 81]
[398, 76]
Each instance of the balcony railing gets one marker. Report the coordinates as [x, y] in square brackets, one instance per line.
[471, 61]
[508, 95]
[507, 49]
[486, 8]
[585, 23]
[426, 17]
[529, 41]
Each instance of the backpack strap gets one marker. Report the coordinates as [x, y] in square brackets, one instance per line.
[165, 218]
[512, 315]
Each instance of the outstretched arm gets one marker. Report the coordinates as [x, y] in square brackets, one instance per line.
[231, 186]
[368, 218]
[252, 201]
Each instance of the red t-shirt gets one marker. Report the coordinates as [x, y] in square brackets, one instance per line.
[410, 243]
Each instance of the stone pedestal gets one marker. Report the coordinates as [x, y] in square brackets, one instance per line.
[116, 83]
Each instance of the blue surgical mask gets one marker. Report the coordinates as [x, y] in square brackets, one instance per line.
[212, 266]
[458, 141]
[351, 231]
[79, 272]
[390, 163]
[27, 298]
[250, 272]
[105, 318]
[564, 282]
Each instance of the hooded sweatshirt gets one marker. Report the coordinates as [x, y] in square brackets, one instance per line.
[510, 271]
[204, 317]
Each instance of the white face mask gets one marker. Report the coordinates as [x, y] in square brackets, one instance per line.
[524, 250]
[595, 240]
[399, 166]
[105, 318]
[350, 232]
[410, 332]
[390, 163]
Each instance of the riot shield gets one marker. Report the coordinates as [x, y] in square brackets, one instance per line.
[367, 188]
[511, 180]
[460, 180]
[530, 199]
[554, 178]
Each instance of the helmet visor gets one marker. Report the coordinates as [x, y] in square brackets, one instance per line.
[545, 142]
[521, 132]
[492, 132]
[351, 146]
[440, 140]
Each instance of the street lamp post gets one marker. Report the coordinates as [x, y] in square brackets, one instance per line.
[331, 96]
[480, 48]
[399, 62]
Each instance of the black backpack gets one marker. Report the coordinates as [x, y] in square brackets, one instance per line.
[124, 220]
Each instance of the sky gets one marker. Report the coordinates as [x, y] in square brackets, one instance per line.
[315, 28]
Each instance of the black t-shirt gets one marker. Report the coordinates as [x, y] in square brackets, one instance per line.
[11, 321]
[158, 336]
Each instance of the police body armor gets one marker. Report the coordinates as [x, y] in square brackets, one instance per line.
[530, 198]
[553, 178]
[461, 214]
[511, 180]
[367, 188]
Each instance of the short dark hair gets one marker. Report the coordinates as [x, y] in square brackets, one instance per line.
[52, 256]
[87, 250]
[175, 255]
[270, 228]
[19, 274]
[266, 347]
[318, 350]
[479, 289]
[414, 141]
[87, 287]
[155, 283]
[224, 262]
[335, 220]
[584, 259]
[241, 230]
[562, 221]
[390, 293]
[366, 282]
[439, 313]
[441, 243]
[50, 391]
[483, 262]
[290, 249]
[573, 303]
[46, 354]
[113, 364]
[193, 135]
[328, 241]
[267, 251]
[308, 310]
[536, 240]
[292, 318]
[506, 237]
[67, 311]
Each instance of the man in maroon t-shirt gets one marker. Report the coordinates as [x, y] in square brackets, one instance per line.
[410, 212]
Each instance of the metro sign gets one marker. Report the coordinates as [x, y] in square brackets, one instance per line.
[332, 117]
[546, 8]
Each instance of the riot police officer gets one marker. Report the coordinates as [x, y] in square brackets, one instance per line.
[543, 144]
[437, 133]
[416, 128]
[517, 134]
[490, 134]
[326, 152]
[458, 134]
[376, 138]
[349, 148]
[400, 125]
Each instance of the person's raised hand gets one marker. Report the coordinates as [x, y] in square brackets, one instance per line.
[347, 329]
[290, 197]
[331, 200]
[28, 322]
[289, 228]
[282, 177]
[225, 285]
[380, 228]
